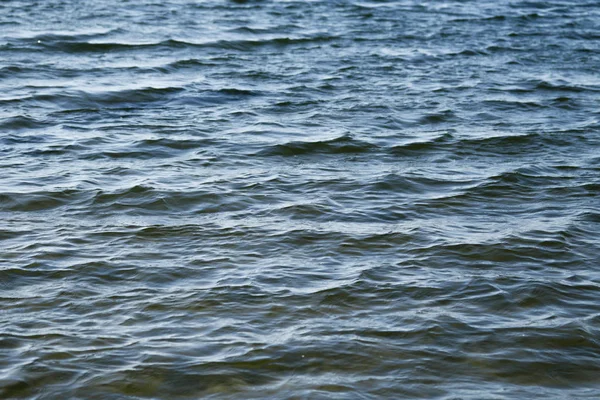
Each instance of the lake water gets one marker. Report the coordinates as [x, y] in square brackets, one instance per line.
[300, 199]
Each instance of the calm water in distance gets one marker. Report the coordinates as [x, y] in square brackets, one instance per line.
[300, 199]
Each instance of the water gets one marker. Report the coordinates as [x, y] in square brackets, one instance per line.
[299, 199]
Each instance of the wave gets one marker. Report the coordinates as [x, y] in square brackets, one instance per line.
[38, 201]
[138, 198]
[278, 29]
[415, 185]
[131, 98]
[22, 122]
[439, 117]
[423, 147]
[175, 144]
[73, 45]
[90, 100]
[58, 36]
[533, 85]
[341, 145]
[447, 143]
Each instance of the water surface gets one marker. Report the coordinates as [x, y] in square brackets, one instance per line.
[299, 199]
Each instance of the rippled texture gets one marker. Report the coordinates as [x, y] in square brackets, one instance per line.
[299, 199]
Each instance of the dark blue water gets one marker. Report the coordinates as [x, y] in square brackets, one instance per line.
[300, 199]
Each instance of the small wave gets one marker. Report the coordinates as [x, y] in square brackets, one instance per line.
[471, 53]
[507, 144]
[38, 201]
[559, 87]
[215, 96]
[7, 234]
[531, 86]
[515, 251]
[127, 153]
[147, 199]
[192, 63]
[69, 36]
[72, 45]
[438, 117]
[139, 197]
[94, 100]
[306, 211]
[11, 71]
[248, 45]
[381, 241]
[21, 122]
[414, 184]
[341, 145]
[103, 47]
[58, 150]
[261, 31]
[504, 49]
[175, 144]
[12, 139]
[517, 180]
[507, 105]
[422, 147]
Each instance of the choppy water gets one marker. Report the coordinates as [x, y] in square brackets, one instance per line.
[300, 199]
